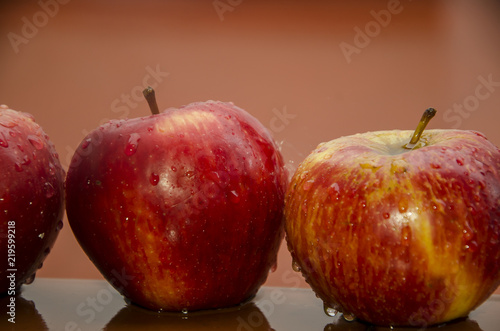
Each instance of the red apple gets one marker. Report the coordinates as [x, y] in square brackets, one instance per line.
[180, 210]
[396, 233]
[31, 198]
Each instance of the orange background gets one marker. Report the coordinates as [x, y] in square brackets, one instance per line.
[75, 69]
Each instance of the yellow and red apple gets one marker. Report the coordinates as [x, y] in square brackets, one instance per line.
[398, 233]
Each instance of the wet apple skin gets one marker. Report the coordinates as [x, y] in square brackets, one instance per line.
[31, 197]
[181, 210]
[398, 238]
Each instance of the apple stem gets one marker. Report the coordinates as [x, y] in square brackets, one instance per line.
[149, 94]
[426, 117]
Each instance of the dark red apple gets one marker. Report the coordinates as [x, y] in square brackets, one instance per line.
[180, 210]
[31, 198]
[398, 233]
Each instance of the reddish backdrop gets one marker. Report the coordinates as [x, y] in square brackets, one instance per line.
[310, 71]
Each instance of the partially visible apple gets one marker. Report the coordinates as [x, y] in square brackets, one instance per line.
[398, 233]
[31, 198]
[181, 210]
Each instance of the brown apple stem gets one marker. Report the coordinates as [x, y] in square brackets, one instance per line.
[426, 117]
[149, 94]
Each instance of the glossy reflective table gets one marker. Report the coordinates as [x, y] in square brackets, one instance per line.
[64, 304]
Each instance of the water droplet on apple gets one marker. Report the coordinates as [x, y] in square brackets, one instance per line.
[435, 166]
[132, 144]
[26, 160]
[12, 133]
[402, 206]
[3, 141]
[460, 161]
[295, 266]
[234, 197]
[150, 129]
[274, 267]
[184, 311]
[8, 124]
[471, 246]
[174, 169]
[46, 251]
[387, 215]
[49, 190]
[467, 235]
[52, 169]
[406, 235]
[18, 167]
[349, 317]
[154, 178]
[329, 310]
[308, 184]
[59, 225]
[86, 143]
[35, 141]
[30, 279]
[334, 191]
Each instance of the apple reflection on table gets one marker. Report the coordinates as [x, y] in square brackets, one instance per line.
[462, 324]
[26, 316]
[247, 317]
